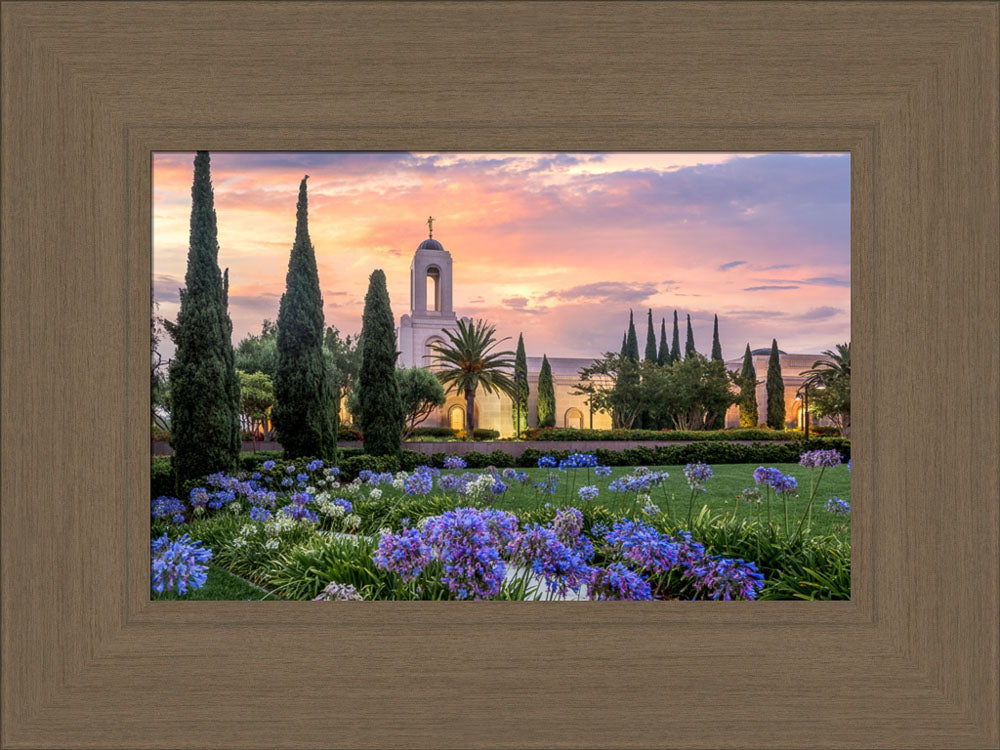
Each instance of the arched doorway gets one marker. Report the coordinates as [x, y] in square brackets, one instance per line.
[573, 419]
[456, 417]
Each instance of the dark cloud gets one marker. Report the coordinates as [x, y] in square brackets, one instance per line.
[819, 313]
[827, 281]
[165, 288]
[518, 303]
[731, 264]
[766, 288]
[607, 292]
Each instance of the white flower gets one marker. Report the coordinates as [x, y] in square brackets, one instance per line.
[311, 490]
[352, 521]
[375, 494]
[399, 484]
[199, 510]
[271, 544]
[247, 529]
[235, 507]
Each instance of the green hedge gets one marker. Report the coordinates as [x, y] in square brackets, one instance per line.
[750, 433]
[442, 432]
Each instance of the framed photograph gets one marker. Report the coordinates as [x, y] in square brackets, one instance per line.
[331, 207]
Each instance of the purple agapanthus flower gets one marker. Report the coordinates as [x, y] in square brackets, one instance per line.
[180, 566]
[616, 582]
[820, 459]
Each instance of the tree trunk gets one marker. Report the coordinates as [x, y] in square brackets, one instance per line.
[470, 413]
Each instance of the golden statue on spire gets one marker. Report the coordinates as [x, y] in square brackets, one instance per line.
[430, 226]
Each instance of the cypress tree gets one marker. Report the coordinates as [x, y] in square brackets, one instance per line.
[546, 395]
[749, 415]
[632, 349]
[519, 412]
[624, 344]
[204, 388]
[675, 346]
[303, 413]
[650, 338]
[775, 390]
[716, 421]
[380, 408]
[689, 344]
[716, 346]
[663, 356]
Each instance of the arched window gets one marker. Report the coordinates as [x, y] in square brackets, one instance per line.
[573, 419]
[434, 288]
[431, 358]
[456, 417]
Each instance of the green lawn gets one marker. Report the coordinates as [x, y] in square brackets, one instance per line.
[721, 495]
[221, 584]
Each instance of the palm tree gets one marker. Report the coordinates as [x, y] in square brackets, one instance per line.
[467, 361]
[832, 376]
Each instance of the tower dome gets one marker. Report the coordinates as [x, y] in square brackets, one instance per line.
[430, 244]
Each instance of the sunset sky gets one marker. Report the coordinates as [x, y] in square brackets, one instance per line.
[557, 246]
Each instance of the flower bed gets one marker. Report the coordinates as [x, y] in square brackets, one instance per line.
[296, 528]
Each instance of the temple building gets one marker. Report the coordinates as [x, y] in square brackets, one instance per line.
[431, 313]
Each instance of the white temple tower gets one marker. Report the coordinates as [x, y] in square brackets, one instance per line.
[430, 303]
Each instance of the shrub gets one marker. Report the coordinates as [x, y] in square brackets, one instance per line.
[443, 432]
[350, 467]
[568, 433]
[161, 477]
[481, 433]
[346, 432]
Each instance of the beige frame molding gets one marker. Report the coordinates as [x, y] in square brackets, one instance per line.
[90, 89]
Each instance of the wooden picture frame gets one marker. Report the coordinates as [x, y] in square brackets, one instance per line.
[90, 89]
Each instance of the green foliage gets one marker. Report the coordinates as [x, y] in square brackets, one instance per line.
[675, 345]
[650, 338]
[546, 395]
[482, 433]
[352, 466]
[256, 397]
[569, 433]
[716, 345]
[663, 355]
[221, 585]
[161, 477]
[689, 393]
[303, 413]
[441, 432]
[519, 407]
[468, 362]
[420, 393]
[204, 389]
[380, 413]
[830, 384]
[259, 353]
[632, 342]
[775, 390]
[689, 350]
[615, 387]
[303, 572]
[747, 383]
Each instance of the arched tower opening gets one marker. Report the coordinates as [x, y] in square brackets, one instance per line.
[434, 288]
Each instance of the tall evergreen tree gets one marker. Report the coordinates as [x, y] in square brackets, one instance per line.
[546, 395]
[749, 414]
[380, 409]
[717, 420]
[303, 413]
[519, 410]
[775, 390]
[204, 387]
[624, 343]
[675, 346]
[650, 338]
[716, 345]
[632, 348]
[689, 344]
[663, 356]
